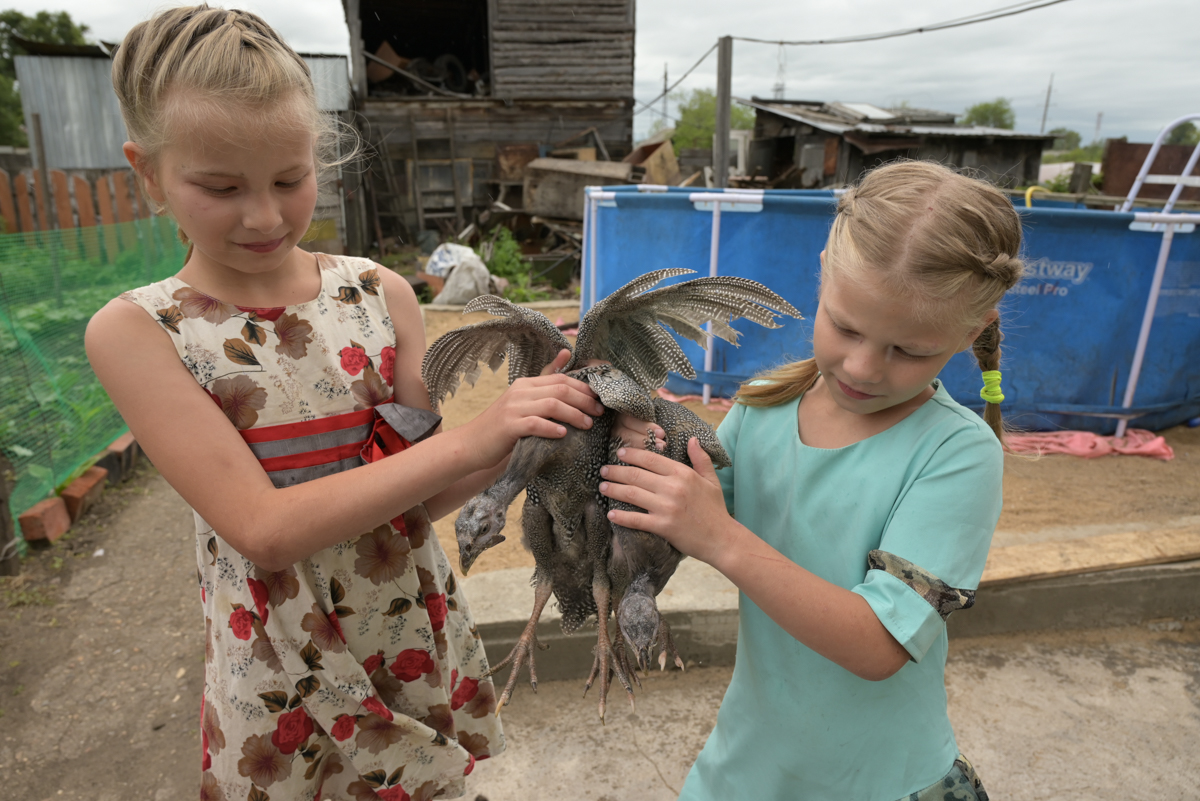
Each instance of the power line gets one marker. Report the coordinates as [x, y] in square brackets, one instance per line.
[985, 16]
[666, 92]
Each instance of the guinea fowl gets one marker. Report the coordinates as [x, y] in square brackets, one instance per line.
[563, 519]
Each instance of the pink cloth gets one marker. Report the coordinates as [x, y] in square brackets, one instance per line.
[717, 404]
[1136, 442]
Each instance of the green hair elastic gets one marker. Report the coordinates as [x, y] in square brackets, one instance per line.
[991, 387]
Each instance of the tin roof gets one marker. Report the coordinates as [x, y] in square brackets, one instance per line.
[839, 118]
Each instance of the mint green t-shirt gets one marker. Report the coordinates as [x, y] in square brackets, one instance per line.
[794, 725]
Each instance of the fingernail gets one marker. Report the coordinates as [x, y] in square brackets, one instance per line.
[604, 486]
[612, 515]
[604, 471]
[562, 431]
[621, 452]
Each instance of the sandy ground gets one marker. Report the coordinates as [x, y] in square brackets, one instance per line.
[1038, 493]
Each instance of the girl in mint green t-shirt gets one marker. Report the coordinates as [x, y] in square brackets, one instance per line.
[859, 508]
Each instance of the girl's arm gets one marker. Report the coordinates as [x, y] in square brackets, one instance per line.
[191, 442]
[685, 506]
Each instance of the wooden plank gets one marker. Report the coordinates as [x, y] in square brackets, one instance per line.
[123, 200]
[87, 216]
[24, 210]
[565, 28]
[63, 212]
[108, 217]
[8, 211]
[39, 197]
[1042, 560]
[558, 36]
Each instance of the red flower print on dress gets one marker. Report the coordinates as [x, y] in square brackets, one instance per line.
[265, 315]
[216, 399]
[293, 336]
[373, 663]
[258, 590]
[207, 762]
[292, 729]
[470, 765]
[369, 391]
[393, 793]
[343, 728]
[195, 304]
[411, 664]
[353, 360]
[242, 623]
[400, 526]
[387, 364]
[373, 704]
[241, 399]
[465, 692]
[337, 625]
[435, 605]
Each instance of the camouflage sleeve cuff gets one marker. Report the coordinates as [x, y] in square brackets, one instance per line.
[940, 595]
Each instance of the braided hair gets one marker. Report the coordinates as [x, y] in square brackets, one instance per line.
[946, 242]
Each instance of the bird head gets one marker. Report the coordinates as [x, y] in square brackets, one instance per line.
[638, 617]
[478, 528]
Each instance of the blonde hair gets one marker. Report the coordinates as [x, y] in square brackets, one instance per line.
[947, 242]
[192, 59]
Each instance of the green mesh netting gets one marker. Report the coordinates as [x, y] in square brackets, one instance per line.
[54, 415]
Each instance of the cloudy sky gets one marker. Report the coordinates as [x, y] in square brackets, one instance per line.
[1135, 62]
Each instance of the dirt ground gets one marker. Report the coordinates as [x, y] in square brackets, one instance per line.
[101, 652]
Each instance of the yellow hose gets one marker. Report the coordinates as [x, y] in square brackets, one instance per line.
[1029, 194]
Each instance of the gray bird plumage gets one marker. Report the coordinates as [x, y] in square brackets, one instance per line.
[564, 518]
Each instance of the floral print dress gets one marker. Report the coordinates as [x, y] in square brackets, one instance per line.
[354, 673]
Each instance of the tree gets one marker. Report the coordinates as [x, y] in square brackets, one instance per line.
[698, 119]
[1065, 139]
[996, 114]
[1185, 134]
[46, 26]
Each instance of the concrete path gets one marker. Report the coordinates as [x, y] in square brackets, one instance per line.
[1086, 716]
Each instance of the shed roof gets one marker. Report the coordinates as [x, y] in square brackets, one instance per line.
[839, 118]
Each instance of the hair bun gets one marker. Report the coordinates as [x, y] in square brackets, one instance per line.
[1004, 268]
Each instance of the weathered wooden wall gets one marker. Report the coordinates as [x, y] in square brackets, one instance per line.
[555, 49]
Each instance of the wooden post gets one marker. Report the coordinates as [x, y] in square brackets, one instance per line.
[24, 210]
[124, 204]
[7, 210]
[108, 218]
[724, 111]
[41, 186]
[1081, 178]
[65, 216]
[10, 564]
[87, 217]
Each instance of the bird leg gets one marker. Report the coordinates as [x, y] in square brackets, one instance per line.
[604, 653]
[666, 643]
[525, 646]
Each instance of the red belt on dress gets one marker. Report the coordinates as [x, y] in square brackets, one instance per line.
[293, 453]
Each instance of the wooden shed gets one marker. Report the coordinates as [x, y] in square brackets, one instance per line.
[809, 144]
[476, 90]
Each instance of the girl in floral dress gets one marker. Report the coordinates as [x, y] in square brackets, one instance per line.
[280, 393]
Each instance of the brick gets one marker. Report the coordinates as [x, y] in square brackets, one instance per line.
[45, 522]
[84, 491]
[127, 448]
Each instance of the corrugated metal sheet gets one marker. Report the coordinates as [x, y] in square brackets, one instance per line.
[331, 81]
[81, 119]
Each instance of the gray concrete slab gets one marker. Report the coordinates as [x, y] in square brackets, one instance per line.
[1109, 714]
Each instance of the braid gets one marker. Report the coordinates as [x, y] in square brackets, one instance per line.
[987, 354]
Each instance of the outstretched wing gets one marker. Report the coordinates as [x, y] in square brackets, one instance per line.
[526, 337]
[626, 328]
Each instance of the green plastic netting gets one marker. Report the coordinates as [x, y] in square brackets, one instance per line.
[54, 415]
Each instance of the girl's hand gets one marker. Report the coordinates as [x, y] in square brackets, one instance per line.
[684, 505]
[533, 407]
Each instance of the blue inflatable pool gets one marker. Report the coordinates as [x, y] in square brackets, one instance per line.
[1071, 326]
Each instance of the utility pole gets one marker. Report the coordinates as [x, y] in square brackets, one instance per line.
[664, 105]
[1046, 108]
[724, 108]
[1099, 117]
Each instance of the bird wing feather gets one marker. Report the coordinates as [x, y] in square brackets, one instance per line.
[525, 337]
[626, 328]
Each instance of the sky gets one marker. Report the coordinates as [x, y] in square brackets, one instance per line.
[1135, 62]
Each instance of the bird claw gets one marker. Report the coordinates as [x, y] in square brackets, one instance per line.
[611, 658]
[520, 653]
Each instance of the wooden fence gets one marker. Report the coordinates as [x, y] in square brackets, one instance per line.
[76, 204]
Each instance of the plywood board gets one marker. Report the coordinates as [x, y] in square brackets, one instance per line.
[1043, 560]
[7, 210]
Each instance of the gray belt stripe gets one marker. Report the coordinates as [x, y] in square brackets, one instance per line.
[298, 475]
[310, 443]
